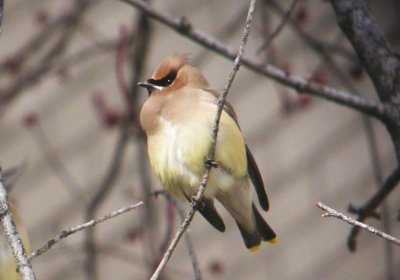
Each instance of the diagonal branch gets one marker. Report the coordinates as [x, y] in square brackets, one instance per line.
[1, 13]
[188, 239]
[329, 212]
[67, 232]
[367, 210]
[104, 189]
[12, 235]
[183, 27]
[279, 28]
[211, 153]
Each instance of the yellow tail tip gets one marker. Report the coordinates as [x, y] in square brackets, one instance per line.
[273, 241]
[255, 248]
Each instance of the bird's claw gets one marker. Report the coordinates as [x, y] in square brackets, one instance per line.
[197, 204]
[210, 163]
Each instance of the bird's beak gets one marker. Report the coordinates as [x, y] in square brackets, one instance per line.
[148, 85]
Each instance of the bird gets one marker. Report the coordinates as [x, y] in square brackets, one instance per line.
[177, 118]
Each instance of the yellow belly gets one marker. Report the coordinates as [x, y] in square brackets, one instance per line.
[177, 155]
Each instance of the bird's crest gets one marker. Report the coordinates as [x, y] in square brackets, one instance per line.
[170, 64]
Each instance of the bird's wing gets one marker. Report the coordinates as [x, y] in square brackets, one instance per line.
[252, 168]
[256, 179]
[210, 213]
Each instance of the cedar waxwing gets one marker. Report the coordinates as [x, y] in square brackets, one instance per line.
[8, 264]
[177, 118]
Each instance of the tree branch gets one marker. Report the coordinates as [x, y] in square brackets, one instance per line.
[329, 212]
[12, 235]
[67, 232]
[363, 32]
[1, 14]
[189, 243]
[104, 189]
[368, 208]
[279, 28]
[376, 55]
[183, 27]
[211, 154]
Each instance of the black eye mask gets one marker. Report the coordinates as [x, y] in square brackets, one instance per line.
[166, 81]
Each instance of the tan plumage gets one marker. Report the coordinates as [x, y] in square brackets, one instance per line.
[177, 118]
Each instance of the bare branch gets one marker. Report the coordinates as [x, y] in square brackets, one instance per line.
[376, 55]
[56, 164]
[368, 208]
[1, 13]
[329, 212]
[11, 175]
[388, 186]
[374, 51]
[30, 77]
[313, 41]
[211, 153]
[183, 27]
[189, 243]
[102, 192]
[12, 235]
[279, 28]
[67, 232]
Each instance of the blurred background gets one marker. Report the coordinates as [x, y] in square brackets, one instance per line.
[68, 108]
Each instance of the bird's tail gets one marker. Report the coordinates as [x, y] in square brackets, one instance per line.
[262, 232]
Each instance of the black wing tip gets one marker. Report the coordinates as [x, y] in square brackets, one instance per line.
[209, 212]
[252, 240]
[266, 232]
[257, 181]
[264, 204]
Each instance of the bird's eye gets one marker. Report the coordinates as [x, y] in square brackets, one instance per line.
[166, 81]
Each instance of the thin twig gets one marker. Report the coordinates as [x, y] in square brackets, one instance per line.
[211, 153]
[314, 42]
[11, 175]
[188, 239]
[1, 13]
[136, 58]
[225, 33]
[302, 85]
[13, 236]
[388, 186]
[56, 164]
[368, 208]
[279, 28]
[67, 232]
[378, 176]
[189, 244]
[329, 212]
[104, 189]
[30, 77]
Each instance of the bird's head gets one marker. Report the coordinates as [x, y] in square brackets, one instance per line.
[173, 73]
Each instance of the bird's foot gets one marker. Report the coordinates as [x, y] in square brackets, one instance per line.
[210, 163]
[197, 204]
